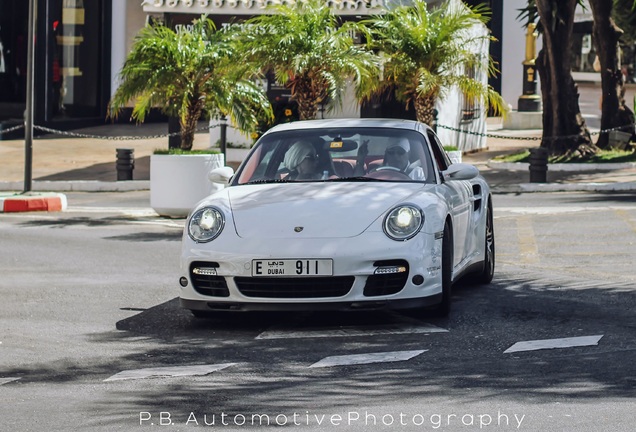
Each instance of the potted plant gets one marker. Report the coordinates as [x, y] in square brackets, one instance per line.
[454, 154]
[306, 48]
[188, 75]
[420, 61]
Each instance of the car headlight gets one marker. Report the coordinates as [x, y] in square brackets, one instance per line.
[403, 222]
[206, 224]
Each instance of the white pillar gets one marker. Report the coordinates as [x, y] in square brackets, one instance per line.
[118, 42]
[513, 42]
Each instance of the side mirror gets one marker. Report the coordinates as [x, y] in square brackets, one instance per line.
[460, 171]
[221, 175]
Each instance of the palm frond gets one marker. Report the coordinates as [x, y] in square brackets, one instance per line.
[426, 50]
[186, 74]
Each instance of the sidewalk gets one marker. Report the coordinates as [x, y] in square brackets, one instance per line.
[506, 178]
[62, 164]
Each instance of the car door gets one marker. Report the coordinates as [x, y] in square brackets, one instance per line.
[459, 195]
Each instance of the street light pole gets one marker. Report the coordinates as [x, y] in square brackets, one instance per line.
[530, 100]
[28, 113]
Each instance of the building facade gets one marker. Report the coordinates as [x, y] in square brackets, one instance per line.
[71, 61]
[81, 45]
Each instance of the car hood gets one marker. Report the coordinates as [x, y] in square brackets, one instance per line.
[322, 210]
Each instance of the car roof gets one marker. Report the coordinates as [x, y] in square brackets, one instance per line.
[349, 122]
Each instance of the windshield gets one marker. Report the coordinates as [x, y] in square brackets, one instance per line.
[338, 154]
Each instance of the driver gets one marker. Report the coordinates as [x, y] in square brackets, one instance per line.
[396, 157]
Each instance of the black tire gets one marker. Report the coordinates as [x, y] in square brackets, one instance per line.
[444, 307]
[486, 275]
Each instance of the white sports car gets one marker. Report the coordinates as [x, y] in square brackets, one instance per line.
[339, 214]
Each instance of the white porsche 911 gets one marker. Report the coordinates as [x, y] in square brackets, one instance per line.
[339, 214]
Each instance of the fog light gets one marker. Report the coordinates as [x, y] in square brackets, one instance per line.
[204, 271]
[183, 281]
[418, 280]
[390, 270]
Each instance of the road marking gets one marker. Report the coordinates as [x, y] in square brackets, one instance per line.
[357, 359]
[528, 248]
[554, 343]
[391, 329]
[170, 371]
[500, 211]
[7, 380]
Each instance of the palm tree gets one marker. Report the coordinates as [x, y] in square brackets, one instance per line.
[310, 52]
[607, 35]
[564, 128]
[424, 53]
[188, 74]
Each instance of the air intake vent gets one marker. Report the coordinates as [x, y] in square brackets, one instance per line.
[309, 287]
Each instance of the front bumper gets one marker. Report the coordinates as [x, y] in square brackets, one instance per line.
[212, 305]
[354, 284]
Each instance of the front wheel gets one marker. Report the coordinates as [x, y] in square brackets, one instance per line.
[444, 307]
[486, 275]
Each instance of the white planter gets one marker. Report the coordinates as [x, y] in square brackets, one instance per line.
[455, 156]
[179, 182]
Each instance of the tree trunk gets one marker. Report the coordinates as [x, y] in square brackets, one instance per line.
[614, 112]
[189, 125]
[308, 91]
[307, 110]
[425, 109]
[564, 129]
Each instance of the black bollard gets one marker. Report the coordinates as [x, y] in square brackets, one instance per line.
[174, 138]
[223, 137]
[125, 164]
[538, 165]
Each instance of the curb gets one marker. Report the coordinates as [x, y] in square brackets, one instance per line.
[525, 166]
[565, 187]
[142, 185]
[51, 202]
[80, 186]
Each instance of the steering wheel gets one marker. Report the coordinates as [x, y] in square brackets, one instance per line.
[390, 173]
[388, 168]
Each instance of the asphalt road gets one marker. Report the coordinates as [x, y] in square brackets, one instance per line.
[89, 315]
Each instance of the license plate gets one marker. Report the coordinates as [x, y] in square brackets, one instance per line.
[295, 267]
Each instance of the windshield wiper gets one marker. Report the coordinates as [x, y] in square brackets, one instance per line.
[356, 179]
[263, 181]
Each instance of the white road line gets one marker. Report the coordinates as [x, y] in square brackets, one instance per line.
[554, 343]
[170, 371]
[499, 211]
[357, 359]
[7, 380]
[283, 333]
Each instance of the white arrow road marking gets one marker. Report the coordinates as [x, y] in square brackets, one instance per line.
[170, 371]
[554, 343]
[283, 333]
[7, 380]
[356, 359]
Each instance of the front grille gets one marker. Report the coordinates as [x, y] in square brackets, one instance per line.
[209, 285]
[385, 284]
[309, 287]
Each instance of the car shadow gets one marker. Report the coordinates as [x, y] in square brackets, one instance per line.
[91, 222]
[466, 364]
